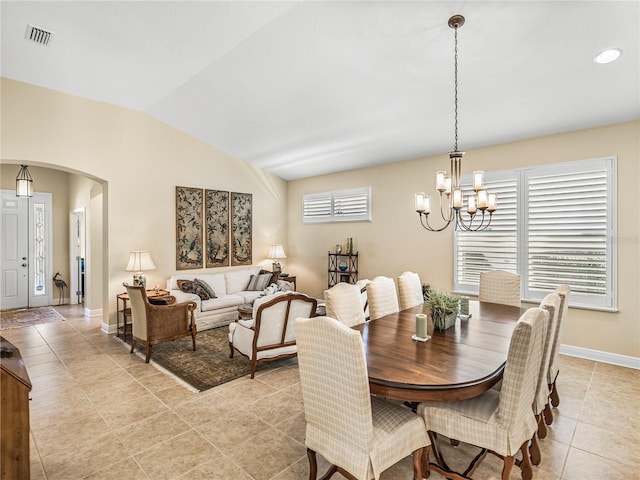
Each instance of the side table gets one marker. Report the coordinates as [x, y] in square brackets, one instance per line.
[124, 311]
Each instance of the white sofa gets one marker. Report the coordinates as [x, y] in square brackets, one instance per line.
[229, 287]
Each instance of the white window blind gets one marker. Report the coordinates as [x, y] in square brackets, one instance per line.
[554, 224]
[339, 206]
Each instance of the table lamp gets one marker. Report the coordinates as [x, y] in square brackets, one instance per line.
[275, 253]
[139, 261]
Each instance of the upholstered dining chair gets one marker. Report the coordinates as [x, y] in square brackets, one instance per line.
[271, 332]
[344, 303]
[381, 292]
[501, 287]
[499, 422]
[360, 435]
[410, 290]
[154, 324]
[554, 366]
[550, 303]
[362, 285]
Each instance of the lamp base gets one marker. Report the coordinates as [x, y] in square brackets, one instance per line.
[139, 280]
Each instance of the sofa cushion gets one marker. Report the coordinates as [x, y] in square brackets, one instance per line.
[222, 302]
[237, 280]
[206, 286]
[191, 286]
[259, 282]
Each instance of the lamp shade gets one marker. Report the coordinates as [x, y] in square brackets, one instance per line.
[276, 251]
[139, 261]
[24, 183]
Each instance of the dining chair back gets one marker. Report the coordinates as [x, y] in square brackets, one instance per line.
[362, 285]
[154, 324]
[409, 290]
[501, 287]
[564, 292]
[344, 303]
[383, 300]
[499, 422]
[360, 435]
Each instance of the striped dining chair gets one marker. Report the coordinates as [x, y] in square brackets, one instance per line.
[500, 287]
[360, 435]
[554, 367]
[410, 290]
[383, 299]
[344, 303]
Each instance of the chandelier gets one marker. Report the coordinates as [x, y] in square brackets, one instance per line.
[480, 202]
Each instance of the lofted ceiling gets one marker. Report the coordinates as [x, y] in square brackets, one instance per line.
[308, 88]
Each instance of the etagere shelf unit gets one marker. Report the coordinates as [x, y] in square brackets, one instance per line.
[349, 271]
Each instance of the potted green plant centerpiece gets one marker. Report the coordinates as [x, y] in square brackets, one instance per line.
[444, 308]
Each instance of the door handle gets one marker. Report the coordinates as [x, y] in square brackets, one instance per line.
[24, 258]
[24, 264]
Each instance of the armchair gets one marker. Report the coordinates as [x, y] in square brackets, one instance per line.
[271, 333]
[154, 324]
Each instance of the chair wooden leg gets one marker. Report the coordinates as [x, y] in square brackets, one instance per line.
[313, 464]
[536, 455]
[193, 340]
[555, 398]
[425, 463]
[525, 464]
[148, 357]
[133, 345]
[418, 472]
[542, 426]
[254, 364]
[231, 348]
[548, 414]
[332, 469]
[506, 468]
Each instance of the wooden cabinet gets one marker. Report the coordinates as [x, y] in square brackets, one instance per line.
[15, 386]
[342, 267]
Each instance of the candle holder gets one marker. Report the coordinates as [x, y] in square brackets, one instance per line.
[421, 328]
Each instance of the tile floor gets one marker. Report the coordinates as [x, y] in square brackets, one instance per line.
[98, 412]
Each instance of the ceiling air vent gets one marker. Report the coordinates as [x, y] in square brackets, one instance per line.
[38, 35]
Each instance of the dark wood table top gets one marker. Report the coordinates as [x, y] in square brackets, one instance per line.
[461, 362]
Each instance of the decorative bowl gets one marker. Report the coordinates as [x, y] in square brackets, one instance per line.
[342, 266]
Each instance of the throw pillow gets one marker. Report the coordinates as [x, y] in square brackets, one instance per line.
[284, 286]
[189, 286]
[259, 282]
[206, 286]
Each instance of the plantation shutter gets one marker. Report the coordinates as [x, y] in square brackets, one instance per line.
[568, 232]
[339, 206]
[316, 208]
[495, 248]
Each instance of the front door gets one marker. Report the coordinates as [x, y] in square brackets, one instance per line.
[25, 250]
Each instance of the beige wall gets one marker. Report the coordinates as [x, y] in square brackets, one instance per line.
[394, 241]
[138, 161]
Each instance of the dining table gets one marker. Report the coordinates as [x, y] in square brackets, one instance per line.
[461, 362]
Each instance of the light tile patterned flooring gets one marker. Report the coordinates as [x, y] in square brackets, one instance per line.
[98, 412]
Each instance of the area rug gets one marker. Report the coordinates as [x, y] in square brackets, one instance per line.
[26, 317]
[205, 368]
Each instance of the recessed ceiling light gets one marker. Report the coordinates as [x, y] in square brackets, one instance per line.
[608, 56]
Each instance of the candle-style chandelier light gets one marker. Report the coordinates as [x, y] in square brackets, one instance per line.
[448, 186]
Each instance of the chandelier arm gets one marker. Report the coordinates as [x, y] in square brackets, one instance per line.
[469, 227]
[425, 223]
[451, 215]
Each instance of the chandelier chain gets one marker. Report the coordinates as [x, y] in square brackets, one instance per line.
[456, 88]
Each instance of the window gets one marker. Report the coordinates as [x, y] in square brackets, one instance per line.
[339, 206]
[555, 224]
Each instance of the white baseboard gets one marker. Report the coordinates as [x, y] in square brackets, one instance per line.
[96, 312]
[599, 356]
[108, 328]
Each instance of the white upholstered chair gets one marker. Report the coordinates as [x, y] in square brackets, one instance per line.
[271, 332]
[409, 290]
[154, 324]
[554, 366]
[344, 303]
[362, 285]
[499, 422]
[383, 300]
[501, 287]
[360, 435]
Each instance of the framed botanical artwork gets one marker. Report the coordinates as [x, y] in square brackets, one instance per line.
[241, 228]
[189, 203]
[216, 214]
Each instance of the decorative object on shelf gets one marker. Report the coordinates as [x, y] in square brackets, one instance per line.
[216, 215]
[426, 289]
[241, 228]
[343, 266]
[444, 309]
[189, 215]
[463, 309]
[450, 185]
[24, 183]
[338, 249]
[350, 246]
[276, 252]
[139, 261]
